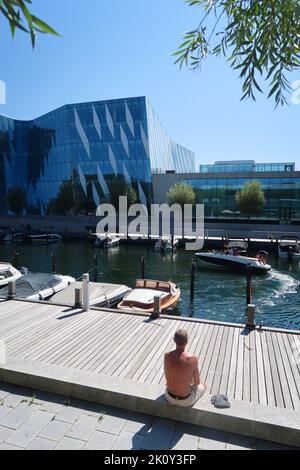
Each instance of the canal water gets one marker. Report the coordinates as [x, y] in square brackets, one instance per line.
[219, 295]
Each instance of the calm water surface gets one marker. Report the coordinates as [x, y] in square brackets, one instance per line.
[219, 295]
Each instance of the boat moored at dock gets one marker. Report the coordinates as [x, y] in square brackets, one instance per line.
[38, 286]
[289, 248]
[8, 273]
[142, 298]
[100, 294]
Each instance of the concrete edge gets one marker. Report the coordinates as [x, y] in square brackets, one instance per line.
[245, 418]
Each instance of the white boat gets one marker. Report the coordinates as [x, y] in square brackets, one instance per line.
[39, 286]
[289, 248]
[235, 262]
[100, 294]
[44, 238]
[107, 240]
[142, 297]
[166, 244]
[8, 273]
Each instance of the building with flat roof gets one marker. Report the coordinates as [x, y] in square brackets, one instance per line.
[79, 150]
[216, 186]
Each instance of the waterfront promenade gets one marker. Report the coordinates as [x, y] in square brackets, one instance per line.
[116, 359]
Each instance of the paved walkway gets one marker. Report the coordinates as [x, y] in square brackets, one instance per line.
[38, 420]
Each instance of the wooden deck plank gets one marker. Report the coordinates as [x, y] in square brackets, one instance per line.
[240, 368]
[233, 364]
[260, 370]
[64, 335]
[223, 386]
[222, 358]
[286, 395]
[246, 368]
[215, 359]
[96, 355]
[101, 337]
[274, 370]
[253, 369]
[267, 368]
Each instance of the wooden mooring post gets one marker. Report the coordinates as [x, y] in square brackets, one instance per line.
[12, 292]
[85, 292]
[156, 308]
[193, 273]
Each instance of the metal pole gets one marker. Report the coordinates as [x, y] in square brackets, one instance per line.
[156, 308]
[193, 271]
[12, 292]
[96, 268]
[143, 265]
[85, 292]
[172, 241]
[249, 285]
[53, 258]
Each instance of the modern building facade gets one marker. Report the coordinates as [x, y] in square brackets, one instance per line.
[82, 149]
[216, 190]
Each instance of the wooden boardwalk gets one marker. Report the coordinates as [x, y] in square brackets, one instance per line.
[261, 366]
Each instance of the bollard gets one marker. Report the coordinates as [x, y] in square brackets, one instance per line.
[143, 266]
[12, 291]
[249, 285]
[53, 258]
[96, 268]
[85, 292]
[157, 307]
[193, 271]
[250, 311]
[78, 297]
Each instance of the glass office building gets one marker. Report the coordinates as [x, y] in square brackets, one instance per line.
[216, 187]
[246, 166]
[82, 150]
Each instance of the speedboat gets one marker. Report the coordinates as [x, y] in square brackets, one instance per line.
[235, 262]
[44, 238]
[166, 244]
[142, 297]
[8, 273]
[100, 294]
[107, 240]
[289, 248]
[39, 286]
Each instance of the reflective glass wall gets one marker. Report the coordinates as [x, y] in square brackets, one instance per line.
[73, 158]
[218, 194]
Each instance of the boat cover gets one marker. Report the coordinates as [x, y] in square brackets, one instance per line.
[33, 283]
[98, 292]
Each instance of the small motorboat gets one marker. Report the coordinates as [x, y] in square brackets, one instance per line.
[39, 286]
[142, 297]
[8, 273]
[235, 261]
[100, 294]
[289, 248]
[166, 244]
[43, 238]
[107, 240]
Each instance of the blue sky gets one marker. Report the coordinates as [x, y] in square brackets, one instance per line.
[121, 48]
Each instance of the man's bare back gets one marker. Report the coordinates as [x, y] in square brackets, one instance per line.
[182, 372]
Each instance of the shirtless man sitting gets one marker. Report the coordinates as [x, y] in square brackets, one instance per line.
[184, 387]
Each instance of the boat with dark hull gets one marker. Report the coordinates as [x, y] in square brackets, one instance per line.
[235, 262]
